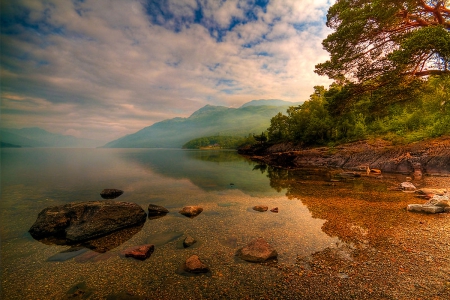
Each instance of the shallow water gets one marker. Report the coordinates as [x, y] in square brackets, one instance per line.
[225, 184]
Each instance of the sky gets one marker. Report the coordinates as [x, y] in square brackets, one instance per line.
[101, 69]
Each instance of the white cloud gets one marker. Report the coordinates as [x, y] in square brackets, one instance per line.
[102, 69]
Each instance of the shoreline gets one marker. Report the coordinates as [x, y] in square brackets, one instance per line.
[431, 157]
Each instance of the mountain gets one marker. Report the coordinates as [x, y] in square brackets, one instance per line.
[272, 102]
[208, 121]
[37, 137]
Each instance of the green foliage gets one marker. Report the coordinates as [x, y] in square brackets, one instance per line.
[385, 45]
[222, 142]
[316, 122]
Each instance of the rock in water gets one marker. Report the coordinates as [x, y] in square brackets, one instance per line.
[141, 252]
[82, 221]
[156, 210]
[194, 265]
[110, 193]
[274, 210]
[407, 186]
[191, 211]
[261, 208]
[189, 241]
[257, 251]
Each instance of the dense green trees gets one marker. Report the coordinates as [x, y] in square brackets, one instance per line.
[383, 39]
[315, 122]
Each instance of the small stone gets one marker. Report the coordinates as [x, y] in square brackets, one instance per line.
[430, 209]
[189, 241]
[156, 210]
[261, 208]
[110, 193]
[141, 252]
[191, 211]
[257, 250]
[274, 210]
[407, 186]
[194, 265]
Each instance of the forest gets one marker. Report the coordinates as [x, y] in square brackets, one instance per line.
[390, 62]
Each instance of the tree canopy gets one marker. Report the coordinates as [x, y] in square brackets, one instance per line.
[382, 41]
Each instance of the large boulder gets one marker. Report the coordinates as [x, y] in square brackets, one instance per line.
[257, 251]
[191, 211]
[83, 221]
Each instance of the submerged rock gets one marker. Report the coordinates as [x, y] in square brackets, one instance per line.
[422, 208]
[191, 211]
[82, 221]
[261, 208]
[194, 265]
[157, 210]
[274, 210]
[110, 193]
[189, 241]
[141, 252]
[257, 251]
[407, 186]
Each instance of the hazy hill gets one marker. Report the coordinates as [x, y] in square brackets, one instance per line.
[207, 121]
[37, 137]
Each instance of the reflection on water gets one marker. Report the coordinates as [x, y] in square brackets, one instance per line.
[315, 213]
[102, 244]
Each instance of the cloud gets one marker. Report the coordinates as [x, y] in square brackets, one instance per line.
[104, 69]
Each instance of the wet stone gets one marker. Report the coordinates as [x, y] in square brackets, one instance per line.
[110, 193]
[141, 252]
[407, 186]
[194, 265]
[261, 208]
[274, 210]
[189, 241]
[191, 211]
[257, 250]
[157, 210]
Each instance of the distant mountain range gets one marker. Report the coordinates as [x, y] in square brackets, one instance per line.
[252, 117]
[37, 137]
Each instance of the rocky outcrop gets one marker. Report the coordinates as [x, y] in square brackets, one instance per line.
[426, 157]
[191, 211]
[257, 251]
[141, 252]
[194, 265]
[261, 208]
[110, 193]
[83, 221]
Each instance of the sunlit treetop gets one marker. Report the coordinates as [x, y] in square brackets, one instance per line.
[380, 40]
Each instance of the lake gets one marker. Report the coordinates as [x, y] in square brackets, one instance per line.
[224, 183]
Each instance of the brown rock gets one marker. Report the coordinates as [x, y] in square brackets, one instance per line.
[82, 221]
[189, 241]
[261, 208]
[191, 211]
[194, 265]
[257, 251]
[156, 210]
[274, 210]
[110, 193]
[141, 252]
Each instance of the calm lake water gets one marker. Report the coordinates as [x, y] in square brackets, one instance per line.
[225, 184]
